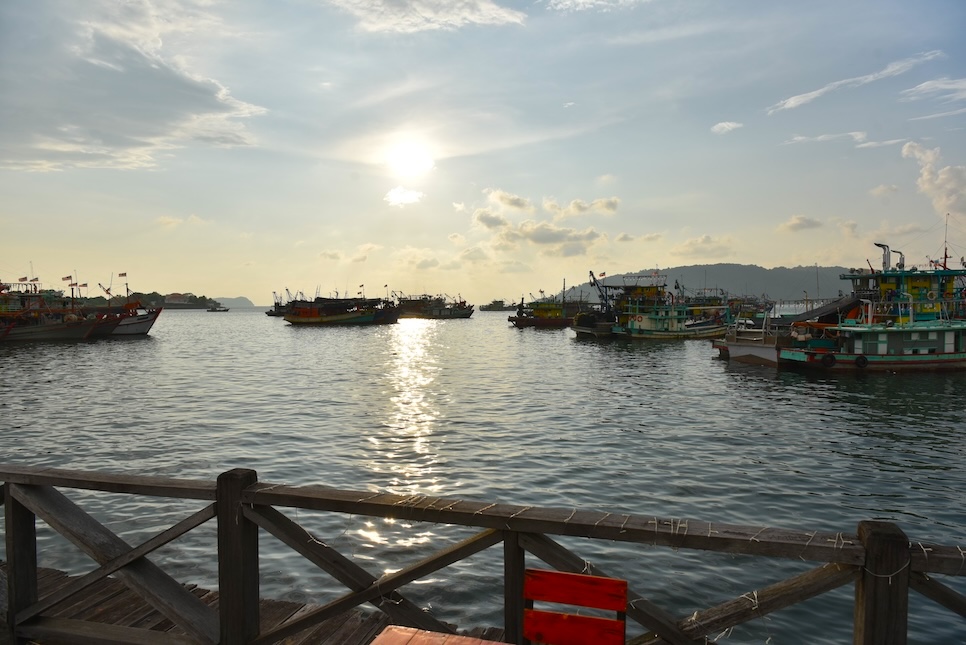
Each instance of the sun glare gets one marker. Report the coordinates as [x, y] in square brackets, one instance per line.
[409, 160]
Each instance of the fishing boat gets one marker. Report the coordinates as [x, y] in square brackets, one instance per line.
[756, 340]
[218, 309]
[342, 311]
[643, 308]
[548, 312]
[432, 307]
[498, 305]
[908, 319]
[29, 313]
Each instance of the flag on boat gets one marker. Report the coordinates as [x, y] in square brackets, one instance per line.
[122, 275]
[23, 279]
[603, 275]
[66, 278]
[361, 285]
[72, 284]
[35, 279]
[83, 285]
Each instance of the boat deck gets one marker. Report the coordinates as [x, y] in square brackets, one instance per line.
[110, 602]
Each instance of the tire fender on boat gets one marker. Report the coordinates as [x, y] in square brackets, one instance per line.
[828, 360]
[931, 295]
[861, 362]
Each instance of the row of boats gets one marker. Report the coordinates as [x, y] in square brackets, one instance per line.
[31, 313]
[895, 319]
[369, 311]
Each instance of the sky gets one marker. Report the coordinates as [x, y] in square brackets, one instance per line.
[476, 148]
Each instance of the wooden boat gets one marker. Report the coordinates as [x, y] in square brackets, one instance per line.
[757, 341]
[643, 308]
[498, 305]
[342, 311]
[548, 313]
[432, 307]
[215, 308]
[28, 313]
[909, 319]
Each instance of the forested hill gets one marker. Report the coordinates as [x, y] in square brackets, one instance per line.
[780, 283]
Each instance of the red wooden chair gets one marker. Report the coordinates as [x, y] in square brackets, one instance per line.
[559, 628]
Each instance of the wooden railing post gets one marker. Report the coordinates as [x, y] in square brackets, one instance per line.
[514, 565]
[237, 560]
[882, 589]
[21, 544]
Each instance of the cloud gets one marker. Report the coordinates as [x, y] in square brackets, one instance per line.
[944, 89]
[606, 180]
[100, 91]
[883, 190]
[651, 237]
[400, 196]
[167, 221]
[427, 263]
[410, 16]
[624, 237]
[726, 126]
[577, 207]
[849, 228]
[363, 251]
[547, 233]
[509, 200]
[858, 137]
[881, 144]
[890, 70]
[459, 207]
[704, 247]
[799, 223]
[330, 255]
[490, 220]
[945, 187]
[456, 238]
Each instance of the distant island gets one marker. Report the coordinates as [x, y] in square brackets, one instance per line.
[240, 301]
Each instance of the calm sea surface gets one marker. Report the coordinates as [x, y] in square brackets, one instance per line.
[475, 409]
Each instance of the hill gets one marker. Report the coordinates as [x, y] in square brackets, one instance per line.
[780, 283]
[240, 301]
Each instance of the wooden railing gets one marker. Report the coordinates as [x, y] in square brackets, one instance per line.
[881, 562]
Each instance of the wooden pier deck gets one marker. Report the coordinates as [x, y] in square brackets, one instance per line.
[110, 602]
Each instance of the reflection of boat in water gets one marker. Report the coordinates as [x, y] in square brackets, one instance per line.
[905, 319]
[432, 307]
[548, 313]
[498, 305]
[342, 311]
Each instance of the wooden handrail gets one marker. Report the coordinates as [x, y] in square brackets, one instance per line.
[881, 561]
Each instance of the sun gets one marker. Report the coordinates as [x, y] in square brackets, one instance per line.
[409, 159]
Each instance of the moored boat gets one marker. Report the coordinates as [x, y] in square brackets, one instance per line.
[909, 319]
[548, 312]
[342, 311]
[643, 308]
[498, 305]
[432, 307]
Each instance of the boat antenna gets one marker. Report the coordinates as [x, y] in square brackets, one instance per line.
[945, 245]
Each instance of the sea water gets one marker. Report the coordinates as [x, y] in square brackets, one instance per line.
[476, 409]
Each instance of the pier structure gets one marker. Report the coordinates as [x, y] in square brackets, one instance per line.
[879, 561]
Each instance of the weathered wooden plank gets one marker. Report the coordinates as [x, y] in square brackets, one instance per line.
[939, 593]
[102, 545]
[57, 631]
[641, 609]
[936, 558]
[21, 549]
[237, 560]
[79, 584]
[671, 532]
[882, 590]
[109, 482]
[385, 584]
[514, 570]
[340, 567]
[319, 633]
[759, 603]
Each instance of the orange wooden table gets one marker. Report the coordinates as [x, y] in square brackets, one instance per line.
[396, 635]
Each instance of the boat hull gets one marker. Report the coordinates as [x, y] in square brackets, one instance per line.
[536, 322]
[377, 317]
[80, 330]
[848, 362]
